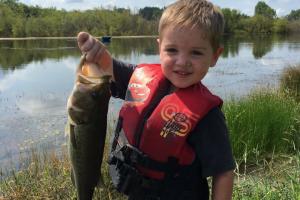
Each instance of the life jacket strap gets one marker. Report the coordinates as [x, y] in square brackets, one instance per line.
[136, 157]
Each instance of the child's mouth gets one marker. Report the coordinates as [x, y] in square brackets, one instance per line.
[182, 73]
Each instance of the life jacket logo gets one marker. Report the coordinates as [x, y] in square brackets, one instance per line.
[137, 92]
[177, 123]
[137, 89]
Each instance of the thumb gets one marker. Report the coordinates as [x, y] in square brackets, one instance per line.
[82, 37]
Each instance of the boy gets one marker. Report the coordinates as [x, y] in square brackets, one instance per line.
[171, 133]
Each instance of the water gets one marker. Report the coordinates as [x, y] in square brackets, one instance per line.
[36, 77]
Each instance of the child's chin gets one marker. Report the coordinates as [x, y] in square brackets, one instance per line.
[181, 85]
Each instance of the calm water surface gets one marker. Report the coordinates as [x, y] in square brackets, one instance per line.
[36, 77]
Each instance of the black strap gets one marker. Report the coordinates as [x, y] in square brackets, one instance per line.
[117, 134]
[135, 156]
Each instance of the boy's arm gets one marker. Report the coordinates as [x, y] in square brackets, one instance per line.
[222, 185]
[122, 74]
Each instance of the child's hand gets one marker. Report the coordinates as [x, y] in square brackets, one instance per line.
[95, 51]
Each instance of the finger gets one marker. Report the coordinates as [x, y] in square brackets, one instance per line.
[90, 57]
[88, 44]
[82, 37]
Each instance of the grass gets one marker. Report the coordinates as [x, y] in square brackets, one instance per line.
[48, 177]
[278, 178]
[290, 81]
[263, 124]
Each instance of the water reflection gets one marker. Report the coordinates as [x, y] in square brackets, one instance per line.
[17, 53]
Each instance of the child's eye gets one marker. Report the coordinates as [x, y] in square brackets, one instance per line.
[197, 53]
[171, 50]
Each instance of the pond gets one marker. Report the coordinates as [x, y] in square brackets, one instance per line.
[36, 77]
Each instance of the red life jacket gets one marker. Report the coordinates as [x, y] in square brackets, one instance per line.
[163, 130]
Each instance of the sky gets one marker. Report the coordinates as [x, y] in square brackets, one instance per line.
[282, 7]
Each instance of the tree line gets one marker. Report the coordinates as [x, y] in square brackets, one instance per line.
[20, 20]
[265, 20]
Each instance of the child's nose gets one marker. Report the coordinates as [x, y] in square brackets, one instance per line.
[182, 60]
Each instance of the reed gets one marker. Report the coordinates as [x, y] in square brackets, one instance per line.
[290, 81]
[262, 124]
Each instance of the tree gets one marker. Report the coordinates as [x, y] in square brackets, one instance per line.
[150, 13]
[280, 26]
[232, 20]
[7, 19]
[263, 9]
[258, 24]
[294, 15]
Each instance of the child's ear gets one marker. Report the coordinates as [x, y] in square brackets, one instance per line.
[216, 56]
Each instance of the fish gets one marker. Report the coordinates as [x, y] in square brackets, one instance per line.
[87, 109]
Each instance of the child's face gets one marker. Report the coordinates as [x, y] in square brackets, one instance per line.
[185, 55]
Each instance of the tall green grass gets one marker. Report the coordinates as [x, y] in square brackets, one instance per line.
[263, 123]
[290, 81]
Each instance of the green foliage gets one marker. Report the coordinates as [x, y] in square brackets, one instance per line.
[258, 24]
[294, 26]
[150, 13]
[20, 20]
[232, 20]
[263, 123]
[263, 9]
[294, 15]
[280, 26]
[7, 17]
[290, 81]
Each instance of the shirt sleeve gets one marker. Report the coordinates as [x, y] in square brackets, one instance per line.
[122, 73]
[210, 140]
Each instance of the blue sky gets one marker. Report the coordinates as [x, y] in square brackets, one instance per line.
[282, 7]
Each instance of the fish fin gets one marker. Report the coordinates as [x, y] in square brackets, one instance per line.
[67, 129]
[72, 135]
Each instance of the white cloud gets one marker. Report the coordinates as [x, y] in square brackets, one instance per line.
[280, 12]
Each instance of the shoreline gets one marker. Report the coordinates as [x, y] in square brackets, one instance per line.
[50, 38]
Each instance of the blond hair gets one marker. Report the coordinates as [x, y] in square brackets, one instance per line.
[195, 13]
